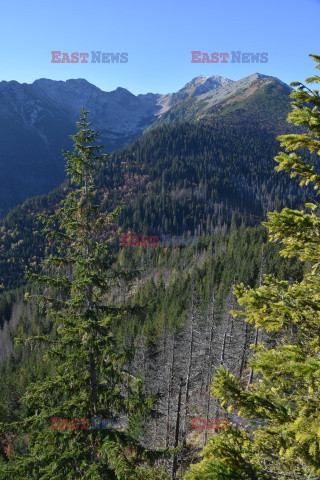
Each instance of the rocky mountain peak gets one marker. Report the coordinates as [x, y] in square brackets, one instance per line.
[202, 84]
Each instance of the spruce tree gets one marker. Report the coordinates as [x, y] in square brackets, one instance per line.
[281, 438]
[91, 381]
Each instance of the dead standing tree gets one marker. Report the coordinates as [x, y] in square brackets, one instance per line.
[209, 368]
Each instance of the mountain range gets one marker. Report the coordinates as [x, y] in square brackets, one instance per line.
[36, 120]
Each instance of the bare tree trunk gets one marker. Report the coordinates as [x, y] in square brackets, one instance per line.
[170, 387]
[209, 373]
[251, 371]
[222, 362]
[243, 356]
[188, 377]
[223, 349]
[177, 431]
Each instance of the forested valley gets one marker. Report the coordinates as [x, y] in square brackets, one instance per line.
[208, 354]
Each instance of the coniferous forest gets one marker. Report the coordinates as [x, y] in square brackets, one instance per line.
[154, 360]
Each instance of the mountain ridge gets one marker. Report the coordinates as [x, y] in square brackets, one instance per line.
[36, 121]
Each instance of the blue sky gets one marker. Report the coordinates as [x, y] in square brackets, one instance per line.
[158, 38]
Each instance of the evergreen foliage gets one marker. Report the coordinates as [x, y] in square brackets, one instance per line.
[203, 178]
[281, 438]
[88, 377]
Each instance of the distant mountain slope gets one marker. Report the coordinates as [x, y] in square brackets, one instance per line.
[264, 101]
[32, 133]
[36, 120]
[200, 178]
[198, 86]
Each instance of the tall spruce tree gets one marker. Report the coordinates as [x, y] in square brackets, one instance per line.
[91, 381]
[282, 437]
